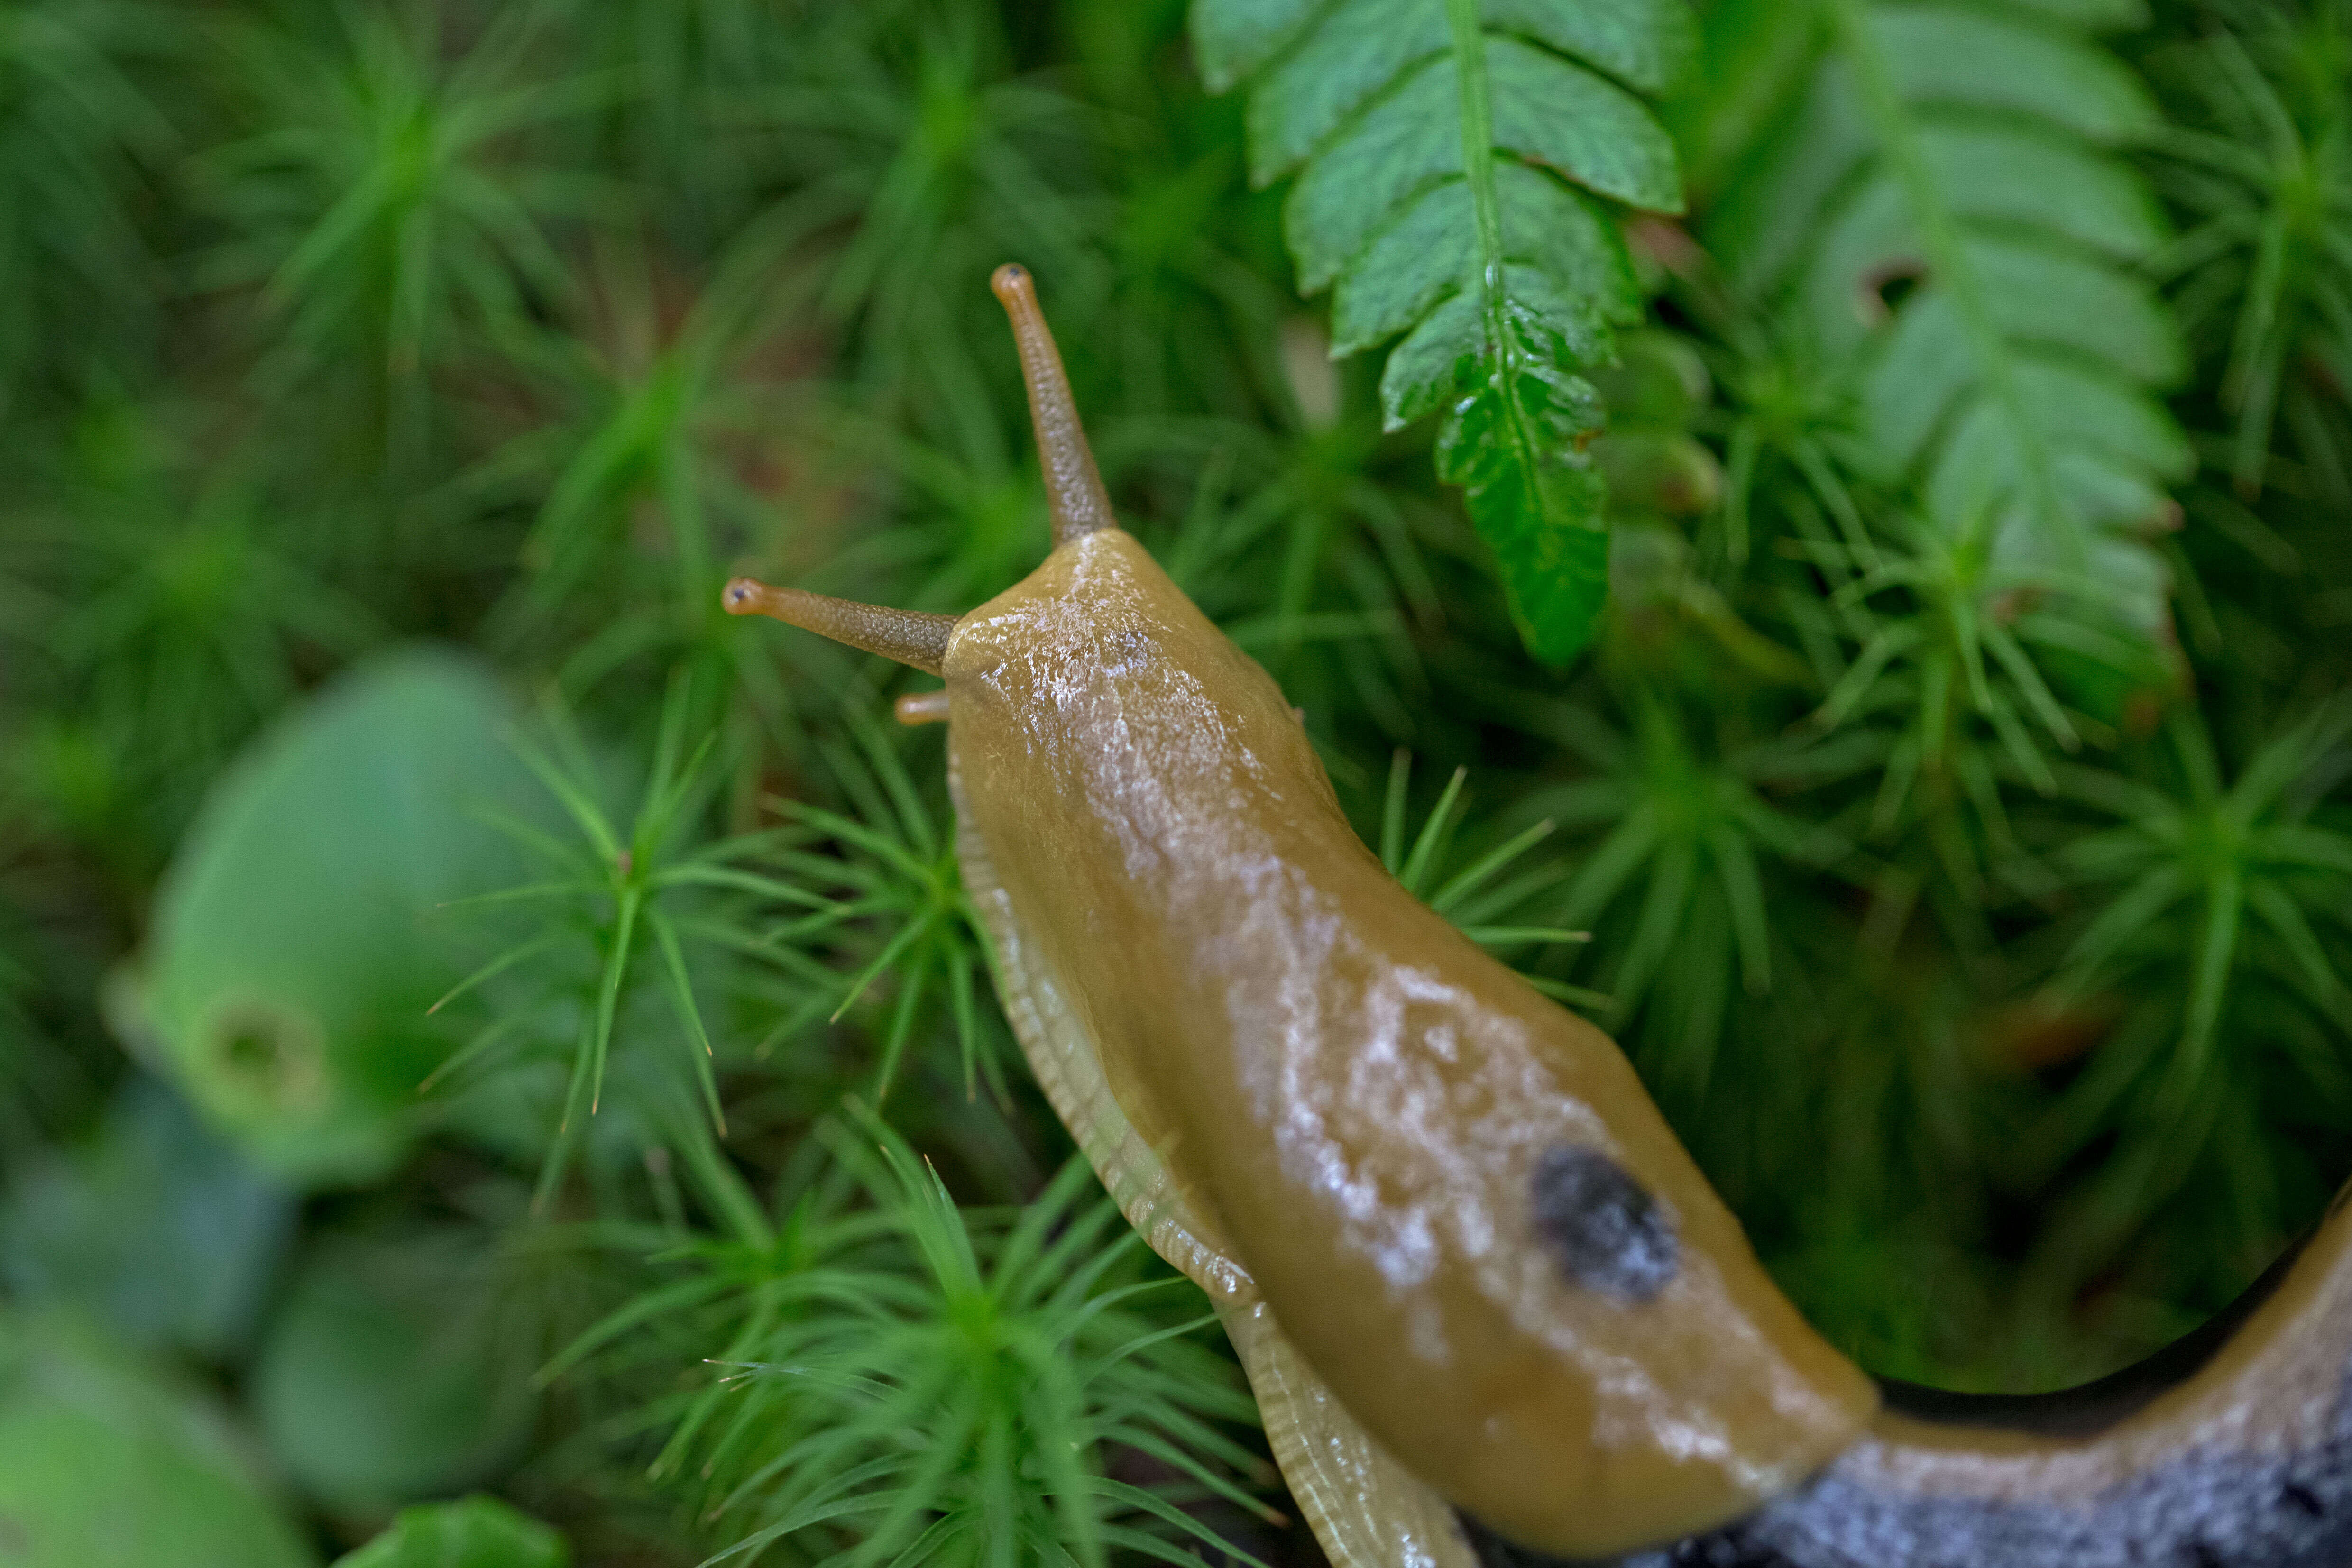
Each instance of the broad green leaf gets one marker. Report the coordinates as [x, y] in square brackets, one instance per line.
[297, 940]
[384, 1378]
[472, 1533]
[156, 1227]
[1452, 159]
[107, 1463]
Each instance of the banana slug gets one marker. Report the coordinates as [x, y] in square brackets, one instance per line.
[1493, 1313]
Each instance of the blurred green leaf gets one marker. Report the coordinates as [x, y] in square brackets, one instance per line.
[104, 1463]
[472, 1533]
[296, 944]
[156, 1227]
[389, 1372]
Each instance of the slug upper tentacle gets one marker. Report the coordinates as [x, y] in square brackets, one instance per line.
[1468, 1265]
[909, 636]
[1074, 488]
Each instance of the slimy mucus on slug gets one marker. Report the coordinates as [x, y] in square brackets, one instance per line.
[1491, 1310]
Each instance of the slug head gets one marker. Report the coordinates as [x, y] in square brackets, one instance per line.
[1093, 691]
[1074, 493]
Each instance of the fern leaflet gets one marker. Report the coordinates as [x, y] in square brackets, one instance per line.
[1944, 216]
[1450, 155]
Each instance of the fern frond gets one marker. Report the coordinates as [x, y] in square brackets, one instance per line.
[1947, 216]
[1450, 155]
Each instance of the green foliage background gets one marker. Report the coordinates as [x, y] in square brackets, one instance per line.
[1950, 397]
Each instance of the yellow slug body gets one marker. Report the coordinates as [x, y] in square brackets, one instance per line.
[1489, 1307]
[1366, 1119]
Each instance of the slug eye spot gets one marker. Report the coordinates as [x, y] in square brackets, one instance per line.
[1605, 1229]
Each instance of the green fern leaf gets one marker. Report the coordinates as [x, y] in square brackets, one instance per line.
[1945, 214]
[1450, 156]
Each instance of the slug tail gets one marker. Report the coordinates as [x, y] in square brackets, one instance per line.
[2231, 1448]
[909, 636]
[1074, 486]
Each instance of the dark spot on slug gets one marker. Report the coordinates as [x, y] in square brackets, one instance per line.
[1607, 1233]
[2302, 1497]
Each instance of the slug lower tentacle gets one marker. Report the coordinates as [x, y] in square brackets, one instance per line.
[1493, 1312]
